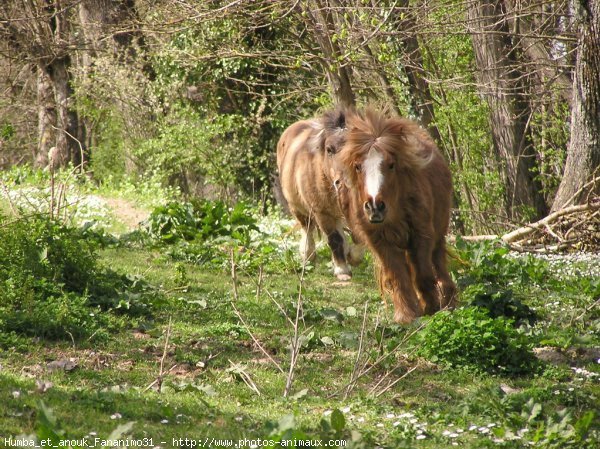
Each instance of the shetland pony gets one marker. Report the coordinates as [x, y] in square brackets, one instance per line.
[394, 187]
[304, 153]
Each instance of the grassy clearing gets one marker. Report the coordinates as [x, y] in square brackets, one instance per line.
[218, 383]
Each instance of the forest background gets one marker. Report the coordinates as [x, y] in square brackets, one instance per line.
[194, 93]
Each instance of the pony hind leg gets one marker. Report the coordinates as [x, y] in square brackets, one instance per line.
[307, 241]
[445, 282]
[338, 245]
[340, 251]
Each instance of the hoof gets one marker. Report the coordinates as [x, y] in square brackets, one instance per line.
[430, 309]
[343, 277]
[405, 317]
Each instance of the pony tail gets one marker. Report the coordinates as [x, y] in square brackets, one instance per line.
[331, 121]
[317, 139]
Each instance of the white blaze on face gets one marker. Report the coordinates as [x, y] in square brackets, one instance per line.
[373, 174]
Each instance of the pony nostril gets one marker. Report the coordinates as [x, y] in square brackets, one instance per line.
[367, 206]
[381, 206]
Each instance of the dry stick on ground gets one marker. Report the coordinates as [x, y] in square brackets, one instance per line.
[522, 232]
[241, 372]
[584, 187]
[159, 380]
[272, 298]
[389, 373]
[234, 275]
[295, 346]
[161, 373]
[587, 309]
[365, 370]
[354, 373]
[391, 384]
[259, 282]
[239, 316]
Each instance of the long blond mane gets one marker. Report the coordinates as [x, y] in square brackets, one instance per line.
[394, 135]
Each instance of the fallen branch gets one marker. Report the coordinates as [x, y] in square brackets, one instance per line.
[524, 231]
[520, 233]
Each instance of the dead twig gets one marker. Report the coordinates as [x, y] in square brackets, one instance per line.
[241, 372]
[254, 339]
[161, 373]
[157, 380]
[271, 297]
[241, 318]
[518, 235]
[234, 281]
[391, 384]
[295, 345]
[164, 355]
[354, 375]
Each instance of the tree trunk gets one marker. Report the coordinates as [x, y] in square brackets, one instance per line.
[46, 118]
[530, 20]
[68, 147]
[420, 95]
[321, 21]
[503, 87]
[583, 157]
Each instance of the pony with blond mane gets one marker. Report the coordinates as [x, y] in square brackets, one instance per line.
[304, 153]
[395, 189]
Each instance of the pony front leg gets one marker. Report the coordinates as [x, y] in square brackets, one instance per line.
[421, 250]
[396, 279]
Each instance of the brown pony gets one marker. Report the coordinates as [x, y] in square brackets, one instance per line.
[395, 189]
[304, 153]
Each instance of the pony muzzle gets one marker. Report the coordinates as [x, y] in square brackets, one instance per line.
[375, 210]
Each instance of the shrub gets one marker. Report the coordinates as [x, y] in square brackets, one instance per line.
[490, 261]
[172, 222]
[499, 303]
[472, 339]
[51, 285]
[201, 220]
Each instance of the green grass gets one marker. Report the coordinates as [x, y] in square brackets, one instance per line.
[203, 397]
[212, 367]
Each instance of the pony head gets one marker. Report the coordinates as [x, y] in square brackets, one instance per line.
[329, 139]
[380, 156]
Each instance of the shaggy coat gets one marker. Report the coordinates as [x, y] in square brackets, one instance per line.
[395, 189]
[304, 153]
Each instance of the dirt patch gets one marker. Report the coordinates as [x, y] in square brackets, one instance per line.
[126, 212]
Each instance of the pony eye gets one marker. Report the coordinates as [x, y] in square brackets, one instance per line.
[358, 167]
[330, 150]
[392, 165]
